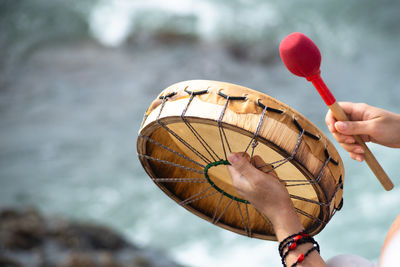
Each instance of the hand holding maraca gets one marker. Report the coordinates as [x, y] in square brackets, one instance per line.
[302, 57]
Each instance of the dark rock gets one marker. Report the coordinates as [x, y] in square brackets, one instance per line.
[21, 230]
[86, 236]
[78, 259]
[141, 262]
[6, 262]
[29, 239]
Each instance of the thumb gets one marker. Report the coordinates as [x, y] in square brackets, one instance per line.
[354, 127]
[241, 163]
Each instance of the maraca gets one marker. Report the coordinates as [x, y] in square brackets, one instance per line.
[303, 58]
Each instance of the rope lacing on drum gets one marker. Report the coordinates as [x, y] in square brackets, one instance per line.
[201, 140]
[211, 157]
[221, 129]
[180, 139]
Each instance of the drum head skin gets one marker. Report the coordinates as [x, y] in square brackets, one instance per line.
[192, 126]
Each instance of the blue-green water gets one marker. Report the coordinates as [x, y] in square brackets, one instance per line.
[72, 97]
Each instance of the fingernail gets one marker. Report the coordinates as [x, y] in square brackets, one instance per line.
[359, 158]
[341, 125]
[233, 157]
[359, 150]
[350, 141]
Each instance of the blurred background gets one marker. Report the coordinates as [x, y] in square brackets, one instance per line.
[76, 77]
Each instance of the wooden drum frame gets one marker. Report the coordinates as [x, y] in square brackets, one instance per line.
[192, 126]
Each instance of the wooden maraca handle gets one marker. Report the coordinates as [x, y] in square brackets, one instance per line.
[303, 58]
[373, 164]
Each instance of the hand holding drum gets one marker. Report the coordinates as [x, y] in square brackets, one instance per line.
[303, 58]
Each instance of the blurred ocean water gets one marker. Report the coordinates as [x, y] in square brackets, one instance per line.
[77, 76]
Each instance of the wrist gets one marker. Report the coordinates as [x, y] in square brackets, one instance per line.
[397, 122]
[286, 223]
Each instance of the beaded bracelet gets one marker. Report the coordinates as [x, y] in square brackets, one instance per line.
[283, 242]
[303, 256]
[291, 243]
[291, 238]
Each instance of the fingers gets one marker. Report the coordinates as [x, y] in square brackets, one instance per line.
[358, 123]
[348, 108]
[239, 167]
[344, 131]
[356, 151]
[330, 121]
[245, 174]
[260, 164]
[343, 139]
[358, 157]
[241, 163]
[354, 127]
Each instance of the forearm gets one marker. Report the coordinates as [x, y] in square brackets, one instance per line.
[393, 125]
[288, 223]
[270, 196]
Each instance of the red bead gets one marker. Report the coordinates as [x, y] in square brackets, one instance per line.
[293, 246]
[300, 258]
[297, 237]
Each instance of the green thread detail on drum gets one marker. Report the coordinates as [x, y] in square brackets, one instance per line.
[216, 163]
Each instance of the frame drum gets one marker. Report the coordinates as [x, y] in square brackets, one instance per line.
[192, 126]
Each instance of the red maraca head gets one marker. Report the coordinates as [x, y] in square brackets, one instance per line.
[300, 55]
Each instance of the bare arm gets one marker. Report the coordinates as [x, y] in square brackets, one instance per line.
[270, 197]
[373, 125]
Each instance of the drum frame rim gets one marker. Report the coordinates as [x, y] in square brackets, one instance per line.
[331, 189]
[324, 214]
